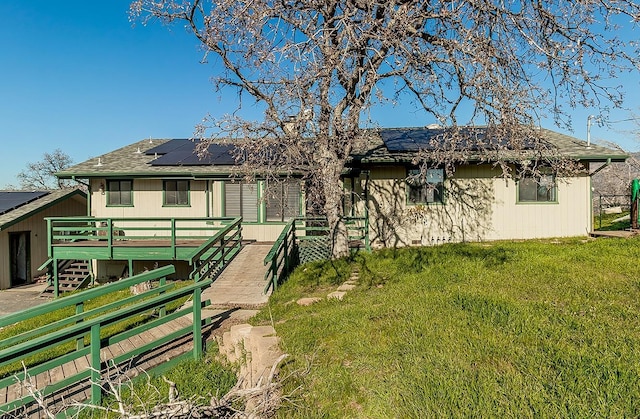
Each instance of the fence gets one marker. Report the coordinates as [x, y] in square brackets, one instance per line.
[307, 239]
[51, 346]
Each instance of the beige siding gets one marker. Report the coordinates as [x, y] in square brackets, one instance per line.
[148, 199]
[37, 227]
[479, 206]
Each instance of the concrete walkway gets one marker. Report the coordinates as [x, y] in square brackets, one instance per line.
[20, 298]
[242, 283]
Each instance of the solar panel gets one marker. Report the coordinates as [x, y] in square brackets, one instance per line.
[11, 200]
[473, 139]
[184, 154]
[168, 147]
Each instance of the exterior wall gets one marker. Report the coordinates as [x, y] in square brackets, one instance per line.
[37, 227]
[148, 199]
[478, 206]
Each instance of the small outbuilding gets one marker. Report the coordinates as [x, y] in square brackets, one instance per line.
[23, 229]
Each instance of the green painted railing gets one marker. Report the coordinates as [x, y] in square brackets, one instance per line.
[215, 240]
[87, 330]
[282, 257]
[305, 239]
[211, 257]
[111, 231]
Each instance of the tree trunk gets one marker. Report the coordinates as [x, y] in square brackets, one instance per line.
[333, 191]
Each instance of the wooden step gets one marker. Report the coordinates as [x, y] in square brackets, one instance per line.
[70, 279]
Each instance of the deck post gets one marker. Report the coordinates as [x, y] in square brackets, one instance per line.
[96, 389]
[56, 285]
[197, 323]
[80, 340]
[173, 238]
[110, 236]
[286, 254]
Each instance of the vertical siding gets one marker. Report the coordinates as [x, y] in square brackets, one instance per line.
[479, 206]
[148, 201]
[148, 198]
[36, 224]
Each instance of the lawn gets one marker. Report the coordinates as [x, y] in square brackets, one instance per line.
[611, 222]
[536, 328]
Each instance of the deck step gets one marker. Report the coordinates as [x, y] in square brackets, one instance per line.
[75, 275]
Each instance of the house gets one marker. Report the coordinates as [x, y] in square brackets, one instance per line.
[23, 230]
[156, 181]
[476, 203]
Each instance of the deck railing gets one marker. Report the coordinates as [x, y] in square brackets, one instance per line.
[111, 231]
[87, 330]
[306, 239]
[282, 257]
[211, 257]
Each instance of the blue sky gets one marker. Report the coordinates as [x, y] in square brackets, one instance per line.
[77, 75]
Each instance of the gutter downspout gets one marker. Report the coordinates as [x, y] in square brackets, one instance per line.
[88, 185]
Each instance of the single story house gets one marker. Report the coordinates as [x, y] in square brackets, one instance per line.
[476, 203]
[23, 230]
[165, 179]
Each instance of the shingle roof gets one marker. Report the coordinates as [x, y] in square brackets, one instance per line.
[45, 199]
[376, 151]
[132, 160]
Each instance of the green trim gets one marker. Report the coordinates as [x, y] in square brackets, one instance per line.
[554, 202]
[207, 196]
[260, 202]
[407, 187]
[223, 199]
[164, 193]
[108, 192]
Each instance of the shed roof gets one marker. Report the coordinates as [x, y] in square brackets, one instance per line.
[39, 202]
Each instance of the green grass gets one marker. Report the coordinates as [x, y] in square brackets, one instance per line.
[537, 328]
[606, 222]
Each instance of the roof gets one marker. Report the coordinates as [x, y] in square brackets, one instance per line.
[10, 200]
[138, 159]
[402, 144]
[40, 200]
[175, 157]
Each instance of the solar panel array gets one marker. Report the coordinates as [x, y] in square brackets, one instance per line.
[183, 153]
[11, 200]
[415, 139]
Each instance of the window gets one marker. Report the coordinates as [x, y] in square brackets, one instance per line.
[241, 200]
[426, 189]
[283, 201]
[539, 189]
[176, 192]
[119, 192]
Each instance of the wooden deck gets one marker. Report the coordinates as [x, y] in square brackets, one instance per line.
[131, 243]
[117, 373]
[241, 284]
[615, 233]
[237, 289]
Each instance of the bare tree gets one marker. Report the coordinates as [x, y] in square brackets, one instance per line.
[40, 175]
[318, 66]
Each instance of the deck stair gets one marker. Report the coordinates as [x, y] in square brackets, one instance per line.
[72, 275]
